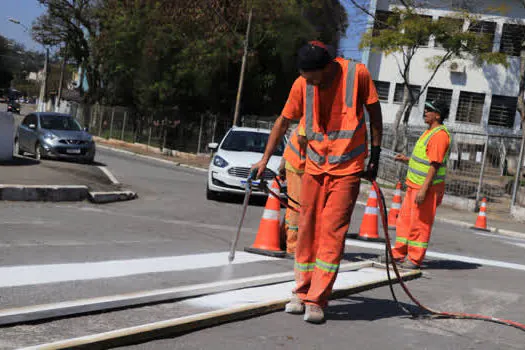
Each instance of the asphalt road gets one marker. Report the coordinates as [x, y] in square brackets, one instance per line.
[173, 220]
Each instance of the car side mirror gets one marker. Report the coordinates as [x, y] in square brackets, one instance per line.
[32, 126]
[86, 129]
[213, 146]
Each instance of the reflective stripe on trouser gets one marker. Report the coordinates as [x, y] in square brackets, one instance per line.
[414, 225]
[293, 181]
[326, 208]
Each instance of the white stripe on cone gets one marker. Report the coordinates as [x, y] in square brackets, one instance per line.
[371, 210]
[373, 194]
[482, 213]
[270, 214]
[396, 205]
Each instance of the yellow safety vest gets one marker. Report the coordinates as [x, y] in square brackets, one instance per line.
[419, 164]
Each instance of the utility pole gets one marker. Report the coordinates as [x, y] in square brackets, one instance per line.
[243, 67]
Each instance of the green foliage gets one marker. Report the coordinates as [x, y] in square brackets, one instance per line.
[164, 57]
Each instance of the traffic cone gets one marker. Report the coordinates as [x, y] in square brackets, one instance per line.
[267, 241]
[369, 226]
[481, 221]
[395, 208]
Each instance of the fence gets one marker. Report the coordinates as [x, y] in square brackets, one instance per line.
[166, 132]
[479, 166]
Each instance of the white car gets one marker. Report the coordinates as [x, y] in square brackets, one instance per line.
[233, 158]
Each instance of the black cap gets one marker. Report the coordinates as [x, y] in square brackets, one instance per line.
[313, 56]
[438, 106]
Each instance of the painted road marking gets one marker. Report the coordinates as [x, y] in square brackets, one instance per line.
[110, 175]
[14, 276]
[467, 259]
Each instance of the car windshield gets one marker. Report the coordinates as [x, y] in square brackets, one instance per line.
[249, 141]
[59, 122]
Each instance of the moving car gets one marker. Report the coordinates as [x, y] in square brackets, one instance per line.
[239, 150]
[54, 135]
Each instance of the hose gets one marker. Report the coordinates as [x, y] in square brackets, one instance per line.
[434, 313]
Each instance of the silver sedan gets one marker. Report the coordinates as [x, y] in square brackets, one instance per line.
[54, 135]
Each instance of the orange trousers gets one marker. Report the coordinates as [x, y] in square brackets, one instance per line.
[293, 181]
[414, 224]
[327, 203]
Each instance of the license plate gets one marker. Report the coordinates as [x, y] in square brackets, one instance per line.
[73, 151]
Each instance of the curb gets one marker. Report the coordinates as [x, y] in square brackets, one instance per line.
[46, 193]
[109, 197]
[182, 165]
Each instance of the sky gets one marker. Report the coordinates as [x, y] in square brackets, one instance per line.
[26, 11]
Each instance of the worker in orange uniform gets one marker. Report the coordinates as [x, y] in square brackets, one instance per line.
[329, 99]
[292, 167]
[426, 186]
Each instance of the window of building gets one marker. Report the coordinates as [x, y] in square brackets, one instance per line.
[398, 95]
[381, 20]
[383, 89]
[503, 111]
[486, 28]
[470, 107]
[455, 25]
[511, 39]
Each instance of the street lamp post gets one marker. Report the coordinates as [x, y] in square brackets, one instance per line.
[43, 88]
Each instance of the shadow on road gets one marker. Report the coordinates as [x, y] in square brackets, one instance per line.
[20, 161]
[366, 309]
[448, 265]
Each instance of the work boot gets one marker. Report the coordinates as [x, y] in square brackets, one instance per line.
[314, 314]
[295, 306]
[409, 265]
[382, 259]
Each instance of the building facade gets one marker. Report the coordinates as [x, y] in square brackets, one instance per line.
[481, 99]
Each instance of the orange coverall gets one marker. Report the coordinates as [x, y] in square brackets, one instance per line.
[414, 223]
[329, 190]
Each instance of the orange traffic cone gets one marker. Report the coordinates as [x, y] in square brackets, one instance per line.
[267, 241]
[369, 226]
[395, 208]
[481, 221]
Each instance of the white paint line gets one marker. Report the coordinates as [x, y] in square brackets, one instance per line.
[110, 175]
[39, 312]
[152, 158]
[467, 259]
[521, 245]
[83, 244]
[13, 276]
[231, 306]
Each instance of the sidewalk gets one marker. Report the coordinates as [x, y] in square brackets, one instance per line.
[25, 179]
[498, 223]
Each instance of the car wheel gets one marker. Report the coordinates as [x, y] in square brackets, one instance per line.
[38, 152]
[211, 195]
[18, 151]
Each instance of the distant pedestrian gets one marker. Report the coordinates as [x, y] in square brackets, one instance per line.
[425, 179]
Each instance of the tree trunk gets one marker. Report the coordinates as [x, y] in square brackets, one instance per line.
[399, 115]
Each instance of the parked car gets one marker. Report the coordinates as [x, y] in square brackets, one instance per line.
[54, 135]
[13, 107]
[231, 163]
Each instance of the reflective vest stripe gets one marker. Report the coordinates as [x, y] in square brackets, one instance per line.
[422, 173]
[314, 156]
[345, 134]
[347, 156]
[296, 151]
[401, 240]
[350, 79]
[310, 134]
[419, 160]
[332, 268]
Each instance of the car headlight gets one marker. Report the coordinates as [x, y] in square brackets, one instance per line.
[49, 137]
[219, 162]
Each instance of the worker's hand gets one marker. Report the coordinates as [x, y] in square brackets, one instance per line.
[282, 169]
[401, 158]
[261, 167]
[303, 141]
[420, 196]
[373, 163]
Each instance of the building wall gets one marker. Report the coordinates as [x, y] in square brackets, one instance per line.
[488, 79]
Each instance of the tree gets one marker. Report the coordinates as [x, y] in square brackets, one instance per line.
[404, 31]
